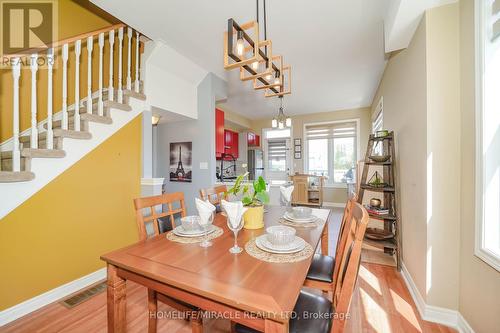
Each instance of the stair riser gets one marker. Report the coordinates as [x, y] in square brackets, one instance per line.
[42, 144]
[7, 164]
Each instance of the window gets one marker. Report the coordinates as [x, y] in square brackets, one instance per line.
[331, 150]
[487, 242]
[277, 160]
[276, 155]
[378, 120]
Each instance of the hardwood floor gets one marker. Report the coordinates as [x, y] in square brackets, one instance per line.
[381, 303]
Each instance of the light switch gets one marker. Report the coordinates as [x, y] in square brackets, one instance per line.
[203, 165]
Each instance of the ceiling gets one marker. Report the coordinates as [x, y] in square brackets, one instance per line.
[335, 47]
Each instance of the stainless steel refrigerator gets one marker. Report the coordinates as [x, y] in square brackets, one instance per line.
[255, 163]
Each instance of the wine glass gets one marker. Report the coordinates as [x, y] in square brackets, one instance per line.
[235, 249]
[205, 225]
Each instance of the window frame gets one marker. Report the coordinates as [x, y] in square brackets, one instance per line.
[480, 250]
[305, 159]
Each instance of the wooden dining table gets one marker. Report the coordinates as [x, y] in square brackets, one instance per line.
[239, 287]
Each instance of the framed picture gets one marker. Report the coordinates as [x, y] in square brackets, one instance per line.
[181, 162]
[297, 142]
[298, 149]
[298, 156]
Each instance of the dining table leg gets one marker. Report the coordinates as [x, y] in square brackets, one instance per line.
[117, 301]
[152, 310]
[271, 326]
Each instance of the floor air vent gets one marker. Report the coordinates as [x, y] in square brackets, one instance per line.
[84, 295]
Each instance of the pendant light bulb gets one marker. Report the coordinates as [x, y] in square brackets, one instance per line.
[288, 122]
[255, 65]
[274, 123]
[281, 125]
[269, 77]
[240, 44]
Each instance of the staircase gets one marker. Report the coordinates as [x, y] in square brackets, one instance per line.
[31, 159]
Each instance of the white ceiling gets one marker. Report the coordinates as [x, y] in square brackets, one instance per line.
[335, 47]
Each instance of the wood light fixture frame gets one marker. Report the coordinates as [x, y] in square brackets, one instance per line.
[265, 57]
[277, 68]
[232, 60]
[286, 83]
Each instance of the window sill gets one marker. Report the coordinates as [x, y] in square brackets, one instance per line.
[488, 257]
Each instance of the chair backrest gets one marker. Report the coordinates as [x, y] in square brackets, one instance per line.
[349, 267]
[214, 194]
[342, 237]
[167, 199]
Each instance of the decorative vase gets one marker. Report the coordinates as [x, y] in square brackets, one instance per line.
[254, 217]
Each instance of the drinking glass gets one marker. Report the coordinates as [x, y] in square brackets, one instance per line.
[235, 249]
[206, 225]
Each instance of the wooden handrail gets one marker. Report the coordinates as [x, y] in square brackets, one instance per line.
[69, 40]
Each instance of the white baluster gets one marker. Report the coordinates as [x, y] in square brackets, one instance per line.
[78, 50]
[136, 84]
[34, 121]
[120, 56]
[90, 47]
[129, 60]
[50, 133]
[16, 153]
[111, 45]
[64, 124]
[100, 105]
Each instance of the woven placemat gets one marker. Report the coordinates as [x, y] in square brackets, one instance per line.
[191, 240]
[298, 225]
[257, 253]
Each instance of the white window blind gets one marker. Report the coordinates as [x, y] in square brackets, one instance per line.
[276, 154]
[330, 131]
[495, 19]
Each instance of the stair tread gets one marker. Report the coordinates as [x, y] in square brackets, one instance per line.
[116, 105]
[15, 177]
[43, 153]
[60, 133]
[134, 94]
[96, 118]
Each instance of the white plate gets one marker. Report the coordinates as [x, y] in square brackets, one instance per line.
[296, 246]
[179, 231]
[291, 218]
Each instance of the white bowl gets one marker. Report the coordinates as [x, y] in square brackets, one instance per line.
[302, 212]
[280, 235]
[190, 223]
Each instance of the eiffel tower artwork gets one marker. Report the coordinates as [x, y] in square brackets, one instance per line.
[180, 162]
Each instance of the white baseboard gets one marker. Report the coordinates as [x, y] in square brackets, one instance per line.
[433, 313]
[334, 204]
[51, 296]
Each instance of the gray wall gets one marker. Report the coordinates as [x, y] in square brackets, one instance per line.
[201, 133]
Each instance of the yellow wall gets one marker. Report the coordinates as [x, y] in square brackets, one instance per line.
[58, 235]
[335, 195]
[73, 20]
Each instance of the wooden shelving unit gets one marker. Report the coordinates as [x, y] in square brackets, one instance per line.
[388, 246]
[305, 195]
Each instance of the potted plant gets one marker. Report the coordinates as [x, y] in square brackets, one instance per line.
[253, 200]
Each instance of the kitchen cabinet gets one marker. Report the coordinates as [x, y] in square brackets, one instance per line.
[219, 133]
[253, 139]
[231, 141]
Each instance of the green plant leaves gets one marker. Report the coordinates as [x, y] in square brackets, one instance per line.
[263, 197]
[247, 201]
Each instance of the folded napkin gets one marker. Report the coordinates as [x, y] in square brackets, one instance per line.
[286, 192]
[205, 210]
[234, 211]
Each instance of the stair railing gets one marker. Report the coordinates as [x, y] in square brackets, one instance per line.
[65, 46]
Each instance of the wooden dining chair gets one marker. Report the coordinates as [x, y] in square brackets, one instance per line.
[330, 317]
[214, 195]
[324, 268]
[146, 210]
[163, 221]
